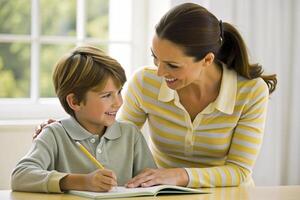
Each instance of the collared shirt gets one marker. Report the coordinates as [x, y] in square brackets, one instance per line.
[54, 154]
[220, 146]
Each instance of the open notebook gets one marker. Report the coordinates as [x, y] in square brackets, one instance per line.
[119, 192]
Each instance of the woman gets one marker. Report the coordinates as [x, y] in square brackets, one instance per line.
[205, 104]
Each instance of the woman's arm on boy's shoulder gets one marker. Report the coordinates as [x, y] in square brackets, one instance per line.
[40, 127]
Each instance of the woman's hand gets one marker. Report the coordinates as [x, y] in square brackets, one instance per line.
[150, 177]
[40, 127]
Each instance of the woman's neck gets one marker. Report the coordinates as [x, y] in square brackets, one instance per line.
[207, 86]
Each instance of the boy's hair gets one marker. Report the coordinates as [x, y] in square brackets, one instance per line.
[82, 69]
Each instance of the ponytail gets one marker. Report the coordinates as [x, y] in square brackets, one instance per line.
[234, 54]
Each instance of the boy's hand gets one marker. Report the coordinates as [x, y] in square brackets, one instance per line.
[101, 180]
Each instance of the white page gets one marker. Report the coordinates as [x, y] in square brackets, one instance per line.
[127, 192]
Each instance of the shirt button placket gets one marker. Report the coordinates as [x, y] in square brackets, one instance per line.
[189, 136]
[93, 140]
[101, 156]
[99, 150]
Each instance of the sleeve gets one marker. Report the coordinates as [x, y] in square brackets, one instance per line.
[142, 155]
[35, 172]
[132, 109]
[244, 147]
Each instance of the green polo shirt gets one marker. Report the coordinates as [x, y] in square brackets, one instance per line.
[54, 154]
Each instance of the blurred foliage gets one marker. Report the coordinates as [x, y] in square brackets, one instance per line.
[15, 16]
[57, 18]
[14, 70]
[97, 18]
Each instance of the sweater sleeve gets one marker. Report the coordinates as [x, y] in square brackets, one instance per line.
[35, 171]
[132, 110]
[142, 155]
[244, 147]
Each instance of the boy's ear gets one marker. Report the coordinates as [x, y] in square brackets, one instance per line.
[208, 59]
[72, 102]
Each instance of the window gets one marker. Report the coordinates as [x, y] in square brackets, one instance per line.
[34, 34]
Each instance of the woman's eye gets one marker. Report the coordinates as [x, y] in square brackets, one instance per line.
[155, 61]
[105, 96]
[172, 66]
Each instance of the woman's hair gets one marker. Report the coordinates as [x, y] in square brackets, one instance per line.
[199, 32]
[82, 69]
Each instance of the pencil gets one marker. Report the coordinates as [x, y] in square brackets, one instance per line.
[89, 155]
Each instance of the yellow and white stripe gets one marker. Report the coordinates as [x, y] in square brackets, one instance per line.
[220, 146]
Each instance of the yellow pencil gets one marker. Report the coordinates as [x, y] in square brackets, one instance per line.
[90, 156]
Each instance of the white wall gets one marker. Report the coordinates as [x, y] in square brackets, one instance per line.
[15, 141]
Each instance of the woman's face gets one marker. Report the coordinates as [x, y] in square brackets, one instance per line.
[178, 69]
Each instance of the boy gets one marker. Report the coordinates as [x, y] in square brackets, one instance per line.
[88, 84]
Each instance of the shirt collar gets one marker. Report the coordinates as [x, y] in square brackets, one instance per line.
[113, 132]
[77, 132]
[165, 93]
[226, 99]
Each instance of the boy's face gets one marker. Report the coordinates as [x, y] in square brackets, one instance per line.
[100, 108]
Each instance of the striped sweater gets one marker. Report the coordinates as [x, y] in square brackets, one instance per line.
[220, 146]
